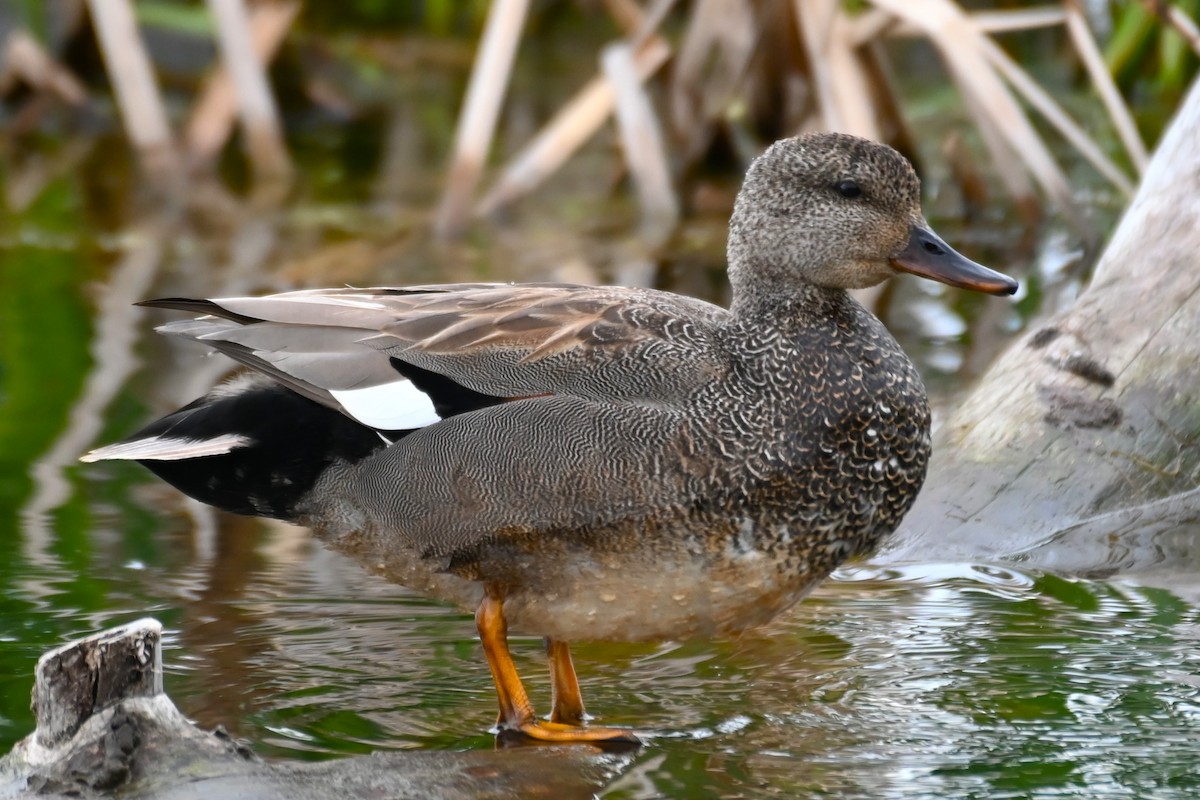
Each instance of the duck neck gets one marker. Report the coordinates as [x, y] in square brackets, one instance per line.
[763, 291]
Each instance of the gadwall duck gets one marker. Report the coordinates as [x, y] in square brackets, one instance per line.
[583, 462]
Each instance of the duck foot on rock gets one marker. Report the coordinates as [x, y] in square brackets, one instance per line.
[535, 731]
[517, 723]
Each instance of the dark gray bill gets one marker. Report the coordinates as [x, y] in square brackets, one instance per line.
[930, 257]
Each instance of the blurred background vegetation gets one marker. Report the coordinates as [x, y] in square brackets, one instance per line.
[692, 87]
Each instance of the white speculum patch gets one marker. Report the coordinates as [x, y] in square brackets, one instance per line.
[395, 406]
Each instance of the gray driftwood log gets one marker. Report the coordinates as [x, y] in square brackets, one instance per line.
[105, 725]
[1079, 451]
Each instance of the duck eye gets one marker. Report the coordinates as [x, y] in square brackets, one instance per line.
[849, 189]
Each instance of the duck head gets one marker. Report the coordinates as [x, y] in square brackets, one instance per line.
[840, 212]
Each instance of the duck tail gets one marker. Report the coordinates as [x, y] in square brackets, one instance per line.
[250, 446]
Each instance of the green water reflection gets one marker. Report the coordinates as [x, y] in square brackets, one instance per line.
[930, 681]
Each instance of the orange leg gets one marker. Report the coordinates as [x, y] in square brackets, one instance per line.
[564, 686]
[516, 712]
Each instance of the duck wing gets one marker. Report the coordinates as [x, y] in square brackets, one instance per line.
[463, 346]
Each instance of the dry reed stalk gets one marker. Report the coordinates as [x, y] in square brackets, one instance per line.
[138, 99]
[846, 77]
[23, 57]
[962, 46]
[256, 105]
[650, 22]
[886, 97]
[573, 125]
[710, 66]
[489, 82]
[852, 86]
[211, 120]
[872, 25]
[815, 19]
[638, 127]
[840, 72]
[627, 14]
[1003, 21]
[1054, 114]
[1071, 16]
[1018, 182]
[642, 143]
[1018, 19]
[1183, 25]
[698, 43]
[1093, 62]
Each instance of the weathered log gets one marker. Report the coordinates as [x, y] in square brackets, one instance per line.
[81, 679]
[1090, 423]
[104, 724]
